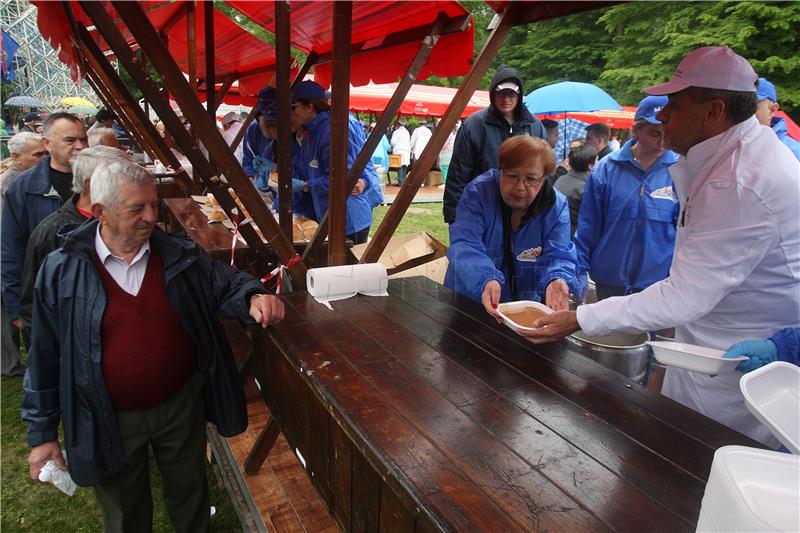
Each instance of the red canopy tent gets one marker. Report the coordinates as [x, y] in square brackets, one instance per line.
[616, 120]
[791, 126]
[385, 37]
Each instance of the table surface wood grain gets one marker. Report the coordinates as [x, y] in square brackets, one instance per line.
[484, 430]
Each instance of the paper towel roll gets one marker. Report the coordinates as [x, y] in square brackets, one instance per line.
[337, 283]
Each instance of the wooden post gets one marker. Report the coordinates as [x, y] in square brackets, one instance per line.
[337, 189]
[208, 26]
[139, 121]
[374, 138]
[191, 42]
[460, 100]
[138, 24]
[226, 85]
[284, 141]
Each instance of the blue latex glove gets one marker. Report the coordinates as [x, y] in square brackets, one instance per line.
[760, 353]
[297, 185]
[262, 165]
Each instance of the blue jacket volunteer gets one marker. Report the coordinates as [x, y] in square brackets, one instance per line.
[311, 112]
[486, 245]
[767, 98]
[626, 225]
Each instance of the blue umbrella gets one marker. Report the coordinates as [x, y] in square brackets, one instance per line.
[571, 129]
[569, 96]
[24, 101]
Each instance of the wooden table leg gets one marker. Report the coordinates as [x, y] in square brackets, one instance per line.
[262, 447]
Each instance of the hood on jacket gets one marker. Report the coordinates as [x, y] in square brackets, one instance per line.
[506, 73]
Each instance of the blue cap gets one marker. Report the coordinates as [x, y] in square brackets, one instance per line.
[308, 90]
[765, 89]
[649, 108]
[266, 98]
[270, 112]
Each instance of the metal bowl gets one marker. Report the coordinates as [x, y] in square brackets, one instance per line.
[623, 353]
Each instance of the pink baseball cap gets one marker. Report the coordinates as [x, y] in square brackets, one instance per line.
[711, 67]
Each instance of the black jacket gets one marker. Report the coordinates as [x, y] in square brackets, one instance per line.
[65, 377]
[47, 237]
[479, 138]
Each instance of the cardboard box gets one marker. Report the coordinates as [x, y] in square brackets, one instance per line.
[395, 160]
[407, 252]
[434, 178]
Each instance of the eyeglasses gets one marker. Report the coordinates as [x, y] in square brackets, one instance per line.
[528, 181]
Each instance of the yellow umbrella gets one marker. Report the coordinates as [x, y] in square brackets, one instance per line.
[76, 100]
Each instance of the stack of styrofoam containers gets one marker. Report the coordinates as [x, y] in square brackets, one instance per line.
[759, 490]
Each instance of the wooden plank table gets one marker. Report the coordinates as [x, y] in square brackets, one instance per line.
[417, 412]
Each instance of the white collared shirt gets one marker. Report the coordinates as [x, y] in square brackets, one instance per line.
[128, 276]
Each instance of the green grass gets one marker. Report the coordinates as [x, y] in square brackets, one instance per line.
[30, 506]
[419, 217]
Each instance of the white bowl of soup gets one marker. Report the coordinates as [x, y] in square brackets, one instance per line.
[521, 315]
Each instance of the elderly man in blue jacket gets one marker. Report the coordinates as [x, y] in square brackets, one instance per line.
[626, 225]
[128, 353]
[32, 196]
[510, 240]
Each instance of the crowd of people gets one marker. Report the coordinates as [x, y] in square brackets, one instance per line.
[690, 223]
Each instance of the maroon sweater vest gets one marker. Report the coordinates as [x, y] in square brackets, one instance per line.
[147, 356]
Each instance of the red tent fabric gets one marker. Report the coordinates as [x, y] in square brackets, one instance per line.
[791, 126]
[421, 101]
[616, 120]
[375, 23]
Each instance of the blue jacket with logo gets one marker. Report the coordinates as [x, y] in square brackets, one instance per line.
[302, 203]
[779, 127]
[315, 158]
[626, 225]
[29, 199]
[541, 247]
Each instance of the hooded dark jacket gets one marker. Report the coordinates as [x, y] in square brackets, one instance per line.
[479, 138]
[65, 376]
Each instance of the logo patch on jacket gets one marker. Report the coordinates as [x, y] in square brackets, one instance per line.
[664, 193]
[530, 255]
[313, 164]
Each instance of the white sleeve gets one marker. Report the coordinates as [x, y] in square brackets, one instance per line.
[727, 234]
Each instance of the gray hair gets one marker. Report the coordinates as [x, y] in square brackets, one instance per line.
[16, 144]
[53, 117]
[88, 160]
[108, 179]
[96, 136]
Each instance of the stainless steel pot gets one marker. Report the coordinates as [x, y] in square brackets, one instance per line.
[623, 353]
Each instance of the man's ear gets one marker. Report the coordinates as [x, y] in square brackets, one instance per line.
[97, 211]
[715, 112]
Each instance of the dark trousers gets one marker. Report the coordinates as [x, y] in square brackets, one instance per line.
[175, 429]
[359, 237]
[401, 174]
[607, 291]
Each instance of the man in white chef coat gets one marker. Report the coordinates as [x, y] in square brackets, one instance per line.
[735, 273]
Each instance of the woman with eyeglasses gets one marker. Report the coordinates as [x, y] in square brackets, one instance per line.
[511, 239]
[310, 110]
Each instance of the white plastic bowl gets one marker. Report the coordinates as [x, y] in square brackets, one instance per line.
[693, 357]
[772, 394]
[510, 307]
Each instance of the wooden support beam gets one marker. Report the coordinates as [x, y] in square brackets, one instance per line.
[374, 138]
[134, 64]
[258, 454]
[139, 121]
[246, 124]
[224, 161]
[409, 189]
[191, 42]
[284, 142]
[208, 26]
[175, 18]
[340, 125]
[109, 103]
[310, 61]
[219, 96]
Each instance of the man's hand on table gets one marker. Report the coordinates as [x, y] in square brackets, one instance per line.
[557, 295]
[491, 298]
[41, 454]
[553, 327]
[266, 309]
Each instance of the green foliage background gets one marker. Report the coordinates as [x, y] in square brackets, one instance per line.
[632, 45]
